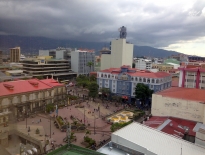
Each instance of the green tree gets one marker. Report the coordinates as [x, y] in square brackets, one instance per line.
[105, 91]
[133, 65]
[90, 64]
[93, 78]
[83, 81]
[93, 90]
[143, 92]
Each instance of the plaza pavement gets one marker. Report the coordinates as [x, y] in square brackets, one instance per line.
[57, 136]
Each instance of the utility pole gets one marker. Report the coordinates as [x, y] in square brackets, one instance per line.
[50, 126]
[84, 114]
[94, 124]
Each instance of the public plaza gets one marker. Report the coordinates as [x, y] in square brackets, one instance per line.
[94, 120]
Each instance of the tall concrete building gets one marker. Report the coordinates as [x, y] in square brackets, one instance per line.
[1, 55]
[15, 54]
[58, 53]
[121, 54]
[80, 59]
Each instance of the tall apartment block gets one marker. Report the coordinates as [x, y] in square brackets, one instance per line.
[80, 59]
[1, 55]
[15, 54]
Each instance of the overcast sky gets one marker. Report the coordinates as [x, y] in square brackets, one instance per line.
[177, 25]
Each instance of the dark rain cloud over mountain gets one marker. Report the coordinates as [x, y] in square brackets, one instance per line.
[149, 23]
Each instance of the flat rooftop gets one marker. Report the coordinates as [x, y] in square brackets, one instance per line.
[73, 150]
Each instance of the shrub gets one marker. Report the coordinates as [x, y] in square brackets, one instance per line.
[37, 131]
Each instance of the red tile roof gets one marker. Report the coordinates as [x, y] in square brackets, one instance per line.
[21, 86]
[139, 73]
[51, 82]
[174, 127]
[184, 93]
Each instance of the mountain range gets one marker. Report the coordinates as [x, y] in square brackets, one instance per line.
[31, 45]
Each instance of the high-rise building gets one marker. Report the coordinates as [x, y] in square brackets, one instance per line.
[15, 54]
[58, 53]
[143, 64]
[80, 59]
[1, 53]
[121, 53]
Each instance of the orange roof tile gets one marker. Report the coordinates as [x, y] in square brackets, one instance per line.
[184, 93]
[51, 82]
[22, 86]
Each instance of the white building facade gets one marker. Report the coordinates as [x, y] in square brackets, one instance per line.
[143, 64]
[121, 54]
[79, 61]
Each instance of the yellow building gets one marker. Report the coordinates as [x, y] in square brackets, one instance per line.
[162, 67]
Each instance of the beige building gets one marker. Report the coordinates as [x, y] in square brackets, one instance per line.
[27, 97]
[15, 54]
[184, 103]
[121, 54]
[163, 67]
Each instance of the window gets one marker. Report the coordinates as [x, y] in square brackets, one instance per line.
[136, 79]
[157, 81]
[153, 81]
[148, 80]
[105, 75]
[140, 79]
[108, 76]
[113, 90]
[101, 75]
[144, 80]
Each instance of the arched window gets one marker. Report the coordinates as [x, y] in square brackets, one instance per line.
[101, 75]
[153, 81]
[132, 79]
[136, 79]
[144, 80]
[148, 80]
[105, 75]
[109, 76]
[140, 79]
[157, 81]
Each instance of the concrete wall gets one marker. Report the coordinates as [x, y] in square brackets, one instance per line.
[74, 61]
[43, 52]
[127, 55]
[166, 106]
[117, 47]
[105, 61]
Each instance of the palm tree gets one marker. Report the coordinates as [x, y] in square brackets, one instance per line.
[90, 64]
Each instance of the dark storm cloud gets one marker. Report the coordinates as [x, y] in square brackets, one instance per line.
[98, 20]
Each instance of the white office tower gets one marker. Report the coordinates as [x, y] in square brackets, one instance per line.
[121, 52]
[80, 59]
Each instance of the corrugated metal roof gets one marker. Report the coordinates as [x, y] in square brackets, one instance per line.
[145, 139]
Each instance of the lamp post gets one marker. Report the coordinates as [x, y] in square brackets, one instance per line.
[50, 126]
[84, 114]
[94, 123]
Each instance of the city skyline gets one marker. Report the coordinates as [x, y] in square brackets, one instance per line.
[177, 26]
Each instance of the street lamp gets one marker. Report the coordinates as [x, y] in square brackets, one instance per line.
[94, 123]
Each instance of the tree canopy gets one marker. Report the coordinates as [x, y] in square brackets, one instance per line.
[142, 91]
[93, 90]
